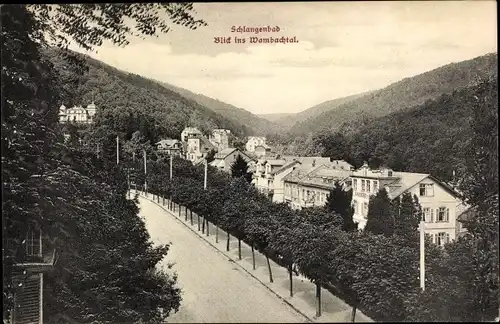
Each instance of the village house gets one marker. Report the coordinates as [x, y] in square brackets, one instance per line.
[225, 159]
[220, 138]
[264, 174]
[253, 142]
[440, 203]
[310, 186]
[262, 150]
[293, 163]
[170, 146]
[36, 259]
[77, 114]
[198, 147]
[190, 132]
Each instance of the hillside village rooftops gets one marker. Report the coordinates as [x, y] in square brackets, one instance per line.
[225, 152]
[323, 175]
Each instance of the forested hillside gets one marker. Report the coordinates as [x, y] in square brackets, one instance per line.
[429, 138]
[401, 95]
[289, 120]
[134, 102]
[255, 124]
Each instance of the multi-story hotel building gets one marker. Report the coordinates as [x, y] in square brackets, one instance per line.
[440, 203]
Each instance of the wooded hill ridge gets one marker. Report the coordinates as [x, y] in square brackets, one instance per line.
[114, 90]
[256, 125]
[407, 93]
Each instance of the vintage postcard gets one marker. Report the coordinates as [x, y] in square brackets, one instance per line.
[250, 162]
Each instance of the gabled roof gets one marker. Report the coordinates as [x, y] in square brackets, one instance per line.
[408, 180]
[168, 142]
[265, 146]
[286, 166]
[276, 162]
[191, 130]
[225, 152]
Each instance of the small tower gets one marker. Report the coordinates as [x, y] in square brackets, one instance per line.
[91, 111]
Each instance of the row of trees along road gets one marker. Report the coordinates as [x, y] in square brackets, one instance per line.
[378, 267]
[105, 270]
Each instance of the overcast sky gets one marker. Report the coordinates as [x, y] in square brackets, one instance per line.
[344, 48]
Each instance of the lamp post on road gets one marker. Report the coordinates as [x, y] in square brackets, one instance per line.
[422, 253]
[145, 174]
[205, 188]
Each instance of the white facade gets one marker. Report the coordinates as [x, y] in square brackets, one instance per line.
[190, 132]
[312, 187]
[77, 114]
[264, 174]
[440, 205]
[253, 142]
[197, 147]
[220, 138]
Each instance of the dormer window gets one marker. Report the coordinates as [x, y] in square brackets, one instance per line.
[389, 173]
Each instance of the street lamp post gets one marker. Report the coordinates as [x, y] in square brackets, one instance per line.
[145, 174]
[422, 254]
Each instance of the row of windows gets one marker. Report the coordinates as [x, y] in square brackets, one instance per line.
[309, 195]
[440, 238]
[366, 185]
[440, 215]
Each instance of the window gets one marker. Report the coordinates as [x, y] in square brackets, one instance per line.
[442, 238]
[355, 184]
[362, 185]
[389, 173]
[428, 215]
[367, 185]
[365, 209]
[375, 186]
[443, 214]
[32, 243]
[355, 206]
[426, 190]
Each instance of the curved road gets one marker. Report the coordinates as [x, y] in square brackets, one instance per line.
[214, 289]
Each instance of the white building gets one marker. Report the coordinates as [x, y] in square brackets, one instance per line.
[197, 148]
[170, 147]
[277, 175]
[253, 142]
[77, 114]
[264, 174]
[220, 139]
[310, 187]
[440, 203]
[190, 132]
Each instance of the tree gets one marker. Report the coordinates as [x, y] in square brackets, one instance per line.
[240, 169]
[407, 216]
[339, 201]
[380, 219]
[479, 179]
[236, 210]
[46, 184]
[89, 25]
[211, 156]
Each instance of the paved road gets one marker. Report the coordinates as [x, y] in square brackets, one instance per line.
[214, 288]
